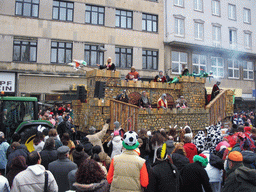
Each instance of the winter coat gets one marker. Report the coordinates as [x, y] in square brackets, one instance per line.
[3, 150]
[17, 152]
[103, 186]
[10, 150]
[48, 156]
[194, 177]
[163, 177]
[127, 172]
[169, 146]
[240, 178]
[60, 169]
[214, 173]
[33, 179]
[191, 151]
[117, 146]
[4, 185]
[18, 165]
[96, 138]
[179, 160]
[249, 159]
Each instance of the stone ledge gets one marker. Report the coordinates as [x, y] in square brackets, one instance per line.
[191, 79]
[103, 73]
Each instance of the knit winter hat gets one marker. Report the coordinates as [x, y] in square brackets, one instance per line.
[116, 133]
[130, 141]
[201, 158]
[235, 156]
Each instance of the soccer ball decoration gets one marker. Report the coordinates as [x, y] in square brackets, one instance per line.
[130, 138]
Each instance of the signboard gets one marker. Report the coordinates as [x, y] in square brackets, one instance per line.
[8, 83]
[254, 92]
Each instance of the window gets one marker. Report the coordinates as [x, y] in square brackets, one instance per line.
[231, 11]
[24, 51]
[63, 11]
[216, 7]
[179, 3]
[179, 62]
[198, 5]
[199, 63]
[217, 66]
[199, 31]
[179, 27]
[216, 36]
[124, 19]
[248, 40]
[232, 38]
[61, 52]
[248, 70]
[247, 15]
[123, 57]
[93, 55]
[233, 69]
[28, 8]
[94, 15]
[150, 59]
[149, 22]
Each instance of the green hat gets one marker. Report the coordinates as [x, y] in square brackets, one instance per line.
[201, 158]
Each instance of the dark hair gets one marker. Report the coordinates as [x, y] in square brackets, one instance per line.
[240, 128]
[38, 138]
[16, 137]
[172, 132]
[33, 158]
[52, 133]
[187, 130]
[157, 138]
[246, 123]
[89, 172]
[2, 139]
[95, 157]
[164, 135]
[96, 149]
[65, 136]
[49, 144]
[143, 133]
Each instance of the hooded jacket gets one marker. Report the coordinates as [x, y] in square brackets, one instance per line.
[249, 159]
[179, 160]
[33, 179]
[96, 187]
[191, 151]
[117, 146]
[240, 178]
[170, 146]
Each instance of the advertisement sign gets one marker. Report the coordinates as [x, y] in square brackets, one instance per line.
[8, 83]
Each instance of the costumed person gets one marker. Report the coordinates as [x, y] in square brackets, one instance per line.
[144, 101]
[133, 75]
[162, 102]
[160, 77]
[194, 176]
[239, 177]
[215, 90]
[123, 97]
[163, 176]
[128, 171]
[181, 103]
[109, 65]
[185, 72]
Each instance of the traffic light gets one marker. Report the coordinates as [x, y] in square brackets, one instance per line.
[81, 93]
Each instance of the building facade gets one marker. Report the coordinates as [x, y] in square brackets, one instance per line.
[213, 35]
[38, 38]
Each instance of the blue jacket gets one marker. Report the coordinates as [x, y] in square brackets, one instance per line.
[3, 149]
